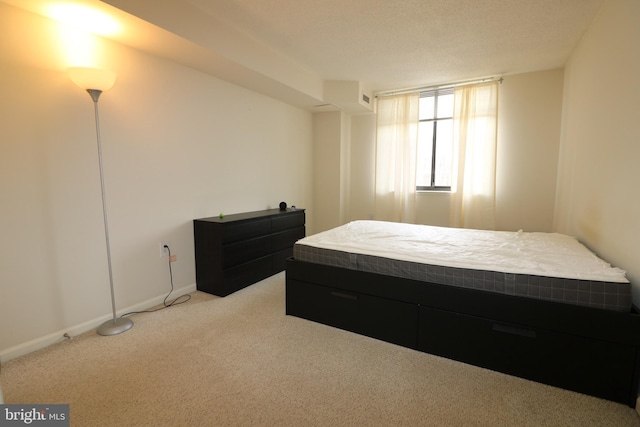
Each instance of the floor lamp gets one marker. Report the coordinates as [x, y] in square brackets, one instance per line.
[95, 81]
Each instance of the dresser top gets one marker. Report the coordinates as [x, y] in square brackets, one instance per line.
[249, 215]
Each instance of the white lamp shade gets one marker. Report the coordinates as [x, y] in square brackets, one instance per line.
[92, 78]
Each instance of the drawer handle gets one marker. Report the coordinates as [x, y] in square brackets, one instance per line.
[343, 295]
[514, 330]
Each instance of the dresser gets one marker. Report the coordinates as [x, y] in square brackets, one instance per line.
[234, 251]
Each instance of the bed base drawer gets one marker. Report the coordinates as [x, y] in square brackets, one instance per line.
[585, 365]
[384, 319]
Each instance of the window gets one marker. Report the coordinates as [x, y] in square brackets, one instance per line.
[435, 140]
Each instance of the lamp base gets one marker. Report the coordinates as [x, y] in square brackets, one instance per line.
[115, 326]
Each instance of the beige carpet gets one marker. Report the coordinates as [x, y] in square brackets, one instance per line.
[239, 361]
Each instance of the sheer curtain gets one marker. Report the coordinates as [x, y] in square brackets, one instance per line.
[474, 169]
[396, 158]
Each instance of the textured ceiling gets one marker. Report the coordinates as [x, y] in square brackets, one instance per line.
[389, 44]
[291, 50]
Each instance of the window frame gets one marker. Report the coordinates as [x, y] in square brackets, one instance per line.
[435, 93]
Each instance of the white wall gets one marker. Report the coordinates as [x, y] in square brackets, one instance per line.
[177, 145]
[363, 141]
[529, 116]
[329, 151]
[598, 200]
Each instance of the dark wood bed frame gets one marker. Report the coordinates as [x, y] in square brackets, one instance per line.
[588, 350]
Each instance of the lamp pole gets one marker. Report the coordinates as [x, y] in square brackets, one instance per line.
[115, 325]
[95, 81]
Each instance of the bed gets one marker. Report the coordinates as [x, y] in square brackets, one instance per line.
[540, 306]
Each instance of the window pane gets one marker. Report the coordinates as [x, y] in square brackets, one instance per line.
[445, 106]
[425, 150]
[426, 108]
[444, 152]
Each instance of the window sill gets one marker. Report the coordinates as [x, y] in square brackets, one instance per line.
[433, 191]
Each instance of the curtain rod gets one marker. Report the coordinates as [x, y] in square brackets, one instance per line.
[440, 86]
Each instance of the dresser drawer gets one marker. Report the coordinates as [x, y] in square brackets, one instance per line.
[280, 259]
[290, 220]
[245, 250]
[381, 318]
[245, 230]
[286, 238]
[239, 276]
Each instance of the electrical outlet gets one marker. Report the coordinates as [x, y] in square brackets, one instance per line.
[164, 251]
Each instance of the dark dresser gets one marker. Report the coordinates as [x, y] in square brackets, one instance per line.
[237, 250]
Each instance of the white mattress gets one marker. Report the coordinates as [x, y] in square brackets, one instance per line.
[539, 254]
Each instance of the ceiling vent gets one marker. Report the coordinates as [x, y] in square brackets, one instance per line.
[349, 95]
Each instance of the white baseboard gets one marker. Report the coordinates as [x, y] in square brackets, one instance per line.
[58, 336]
